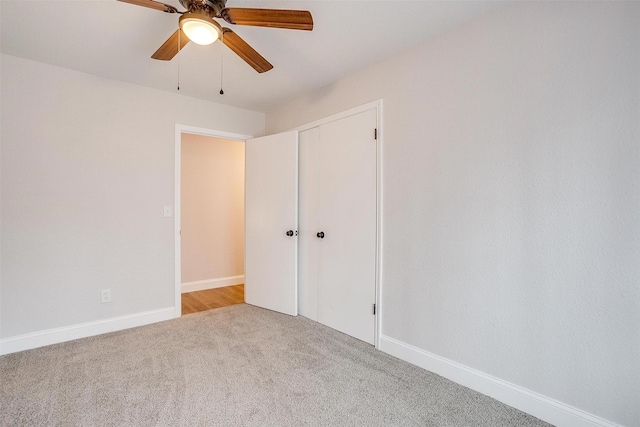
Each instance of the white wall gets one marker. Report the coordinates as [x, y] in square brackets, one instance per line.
[87, 166]
[511, 200]
[212, 212]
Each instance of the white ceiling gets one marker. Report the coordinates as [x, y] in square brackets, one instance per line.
[113, 39]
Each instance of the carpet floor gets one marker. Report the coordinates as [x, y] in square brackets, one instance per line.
[233, 366]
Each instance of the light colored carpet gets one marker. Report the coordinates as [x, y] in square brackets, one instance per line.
[233, 366]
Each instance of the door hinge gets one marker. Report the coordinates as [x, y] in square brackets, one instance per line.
[374, 309]
[375, 133]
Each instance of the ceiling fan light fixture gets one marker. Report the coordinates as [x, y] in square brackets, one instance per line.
[200, 28]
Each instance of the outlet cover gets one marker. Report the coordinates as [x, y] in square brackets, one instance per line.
[105, 296]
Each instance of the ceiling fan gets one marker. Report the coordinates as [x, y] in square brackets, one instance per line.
[197, 24]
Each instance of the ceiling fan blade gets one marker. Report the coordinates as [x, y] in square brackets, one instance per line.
[244, 51]
[153, 5]
[169, 49]
[276, 18]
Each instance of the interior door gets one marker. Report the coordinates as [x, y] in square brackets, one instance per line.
[347, 201]
[271, 221]
[338, 199]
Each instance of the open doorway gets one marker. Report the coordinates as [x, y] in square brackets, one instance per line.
[209, 220]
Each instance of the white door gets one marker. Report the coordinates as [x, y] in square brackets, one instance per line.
[338, 200]
[308, 220]
[271, 221]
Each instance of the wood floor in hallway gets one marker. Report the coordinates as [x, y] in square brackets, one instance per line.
[193, 302]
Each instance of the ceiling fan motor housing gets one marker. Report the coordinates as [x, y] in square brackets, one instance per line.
[213, 8]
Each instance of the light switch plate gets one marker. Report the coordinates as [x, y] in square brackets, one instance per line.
[105, 296]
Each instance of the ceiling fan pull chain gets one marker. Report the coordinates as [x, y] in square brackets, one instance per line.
[221, 60]
[179, 31]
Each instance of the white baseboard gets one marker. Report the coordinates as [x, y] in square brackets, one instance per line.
[201, 285]
[83, 330]
[542, 407]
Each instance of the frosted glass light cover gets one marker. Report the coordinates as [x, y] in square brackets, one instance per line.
[199, 31]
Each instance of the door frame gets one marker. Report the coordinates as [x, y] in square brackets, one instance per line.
[179, 130]
[377, 105]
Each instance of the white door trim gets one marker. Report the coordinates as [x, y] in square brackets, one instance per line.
[377, 105]
[180, 129]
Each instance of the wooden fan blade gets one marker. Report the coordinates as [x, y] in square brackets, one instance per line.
[244, 51]
[169, 49]
[153, 5]
[276, 18]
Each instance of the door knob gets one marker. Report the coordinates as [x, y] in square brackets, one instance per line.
[320, 235]
[290, 233]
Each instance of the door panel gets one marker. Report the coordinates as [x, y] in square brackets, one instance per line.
[338, 197]
[348, 210]
[308, 249]
[271, 209]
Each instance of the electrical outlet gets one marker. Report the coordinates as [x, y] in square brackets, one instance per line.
[105, 296]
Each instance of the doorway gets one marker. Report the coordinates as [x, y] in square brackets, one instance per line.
[373, 304]
[209, 217]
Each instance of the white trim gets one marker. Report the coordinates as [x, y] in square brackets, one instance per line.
[538, 405]
[180, 129]
[83, 330]
[176, 223]
[341, 115]
[201, 285]
[379, 183]
[211, 132]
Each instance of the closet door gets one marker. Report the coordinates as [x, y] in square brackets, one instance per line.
[308, 220]
[338, 224]
[347, 200]
[271, 213]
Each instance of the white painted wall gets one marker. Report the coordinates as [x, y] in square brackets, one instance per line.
[212, 211]
[511, 199]
[87, 166]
